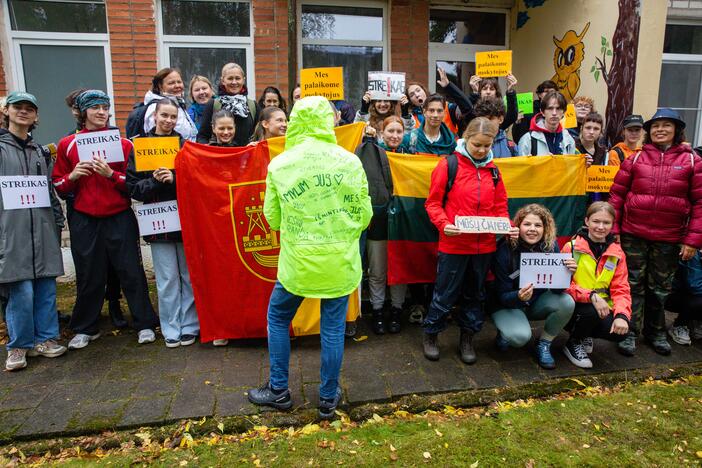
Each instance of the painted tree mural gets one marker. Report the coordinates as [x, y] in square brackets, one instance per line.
[620, 76]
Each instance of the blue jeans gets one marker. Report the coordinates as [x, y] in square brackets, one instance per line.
[281, 310]
[31, 312]
[176, 304]
[458, 278]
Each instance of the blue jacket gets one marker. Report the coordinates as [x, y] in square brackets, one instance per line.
[503, 147]
[504, 265]
[688, 277]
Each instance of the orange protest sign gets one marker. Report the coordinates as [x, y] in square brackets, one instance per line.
[600, 178]
[153, 153]
[326, 82]
[569, 120]
[495, 63]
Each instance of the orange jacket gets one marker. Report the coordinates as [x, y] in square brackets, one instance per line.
[614, 159]
[619, 289]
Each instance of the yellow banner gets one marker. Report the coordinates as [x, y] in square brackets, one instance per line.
[600, 178]
[326, 82]
[155, 152]
[494, 63]
[524, 176]
[347, 136]
[569, 120]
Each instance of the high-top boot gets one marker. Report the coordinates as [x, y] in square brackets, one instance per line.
[465, 348]
[378, 322]
[431, 346]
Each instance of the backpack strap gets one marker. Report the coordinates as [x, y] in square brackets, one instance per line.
[452, 170]
[620, 153]
[534, 145]
[636, 157]
[252, 108]
[495, 175]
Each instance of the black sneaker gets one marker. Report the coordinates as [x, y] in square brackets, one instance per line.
[575, 352]
[395, 316]
[327, 407]
[266, 396]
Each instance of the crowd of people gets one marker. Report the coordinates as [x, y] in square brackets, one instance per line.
[627, 268]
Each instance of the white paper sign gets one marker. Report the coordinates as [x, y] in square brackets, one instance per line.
[544, 270]
[483, 224]
[20, 192]
[106, 144]
[158, 218]
[389, 86]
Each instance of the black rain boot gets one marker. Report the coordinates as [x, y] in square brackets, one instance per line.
[395, 316]
[378, 322]
[431, 346]
[465, 348]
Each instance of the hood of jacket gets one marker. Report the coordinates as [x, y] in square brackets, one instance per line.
[9, 139]
[538, 124]
[312, 118]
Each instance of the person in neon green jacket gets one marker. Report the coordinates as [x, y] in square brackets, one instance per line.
[317, 197]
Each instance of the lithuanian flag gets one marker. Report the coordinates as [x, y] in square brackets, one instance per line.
[231, 251]
[557, 182]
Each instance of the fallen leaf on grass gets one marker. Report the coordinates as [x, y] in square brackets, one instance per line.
[220, 426]
[699, 454]
[392, 448]
[310, 429]
[426, 455]
[361, 338]
[438, 433]
[474, 464]
[394, 457]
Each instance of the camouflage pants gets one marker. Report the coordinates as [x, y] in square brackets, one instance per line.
[651, 267]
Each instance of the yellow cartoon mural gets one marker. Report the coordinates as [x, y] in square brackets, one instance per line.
[567, 59]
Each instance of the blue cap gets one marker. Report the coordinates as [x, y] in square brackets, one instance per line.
[665, 113]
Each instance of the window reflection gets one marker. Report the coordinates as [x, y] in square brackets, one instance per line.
[342, 23]
[195, 18]
[466, 27]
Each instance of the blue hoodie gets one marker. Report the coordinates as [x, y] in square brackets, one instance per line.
[502, 147]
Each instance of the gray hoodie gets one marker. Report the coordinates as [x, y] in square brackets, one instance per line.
[29, 238]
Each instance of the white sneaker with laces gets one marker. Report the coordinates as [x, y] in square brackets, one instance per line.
[81, 340]
[575, 352]
[680, 334]
[416, 313]
[146, 335]
[588, 345]
[49, 348]
[220, 342]
[16, 359]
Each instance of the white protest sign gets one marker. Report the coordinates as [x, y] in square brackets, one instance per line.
[19, 192]
[106, 144]
[388, 86]
[544, 270]
[158, 218]
[483, 224]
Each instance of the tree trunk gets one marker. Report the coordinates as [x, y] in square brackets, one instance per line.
[622, 73]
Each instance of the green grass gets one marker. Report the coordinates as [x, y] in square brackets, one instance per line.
[649, 424]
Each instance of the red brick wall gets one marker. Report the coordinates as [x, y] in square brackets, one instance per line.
[133, 48]
[409, 38]
[271, 45]
[3, 81]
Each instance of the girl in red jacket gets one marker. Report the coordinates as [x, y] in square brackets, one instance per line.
[600, 286]
[657, 195]
[464, 259]
[102, 226]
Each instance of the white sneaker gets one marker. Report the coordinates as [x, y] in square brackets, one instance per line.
[416, 313]
[146, 336]
[81, 340]
[49, 348]
[680, 334]
[16, 359]
[588, 345]
[221, 342]
[576, 354]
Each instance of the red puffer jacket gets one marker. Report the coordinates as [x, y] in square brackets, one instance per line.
[658, 196]
[474, 193]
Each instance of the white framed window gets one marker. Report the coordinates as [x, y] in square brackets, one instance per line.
[352, 35]
[199, 36]
[456, 34]
[681, 75]
[55, 47]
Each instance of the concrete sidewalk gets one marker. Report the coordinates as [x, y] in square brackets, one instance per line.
[116, 383]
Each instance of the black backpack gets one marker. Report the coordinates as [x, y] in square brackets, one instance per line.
[135, 120]
[452, 163]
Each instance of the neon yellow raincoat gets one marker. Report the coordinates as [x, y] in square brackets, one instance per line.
[317, 196]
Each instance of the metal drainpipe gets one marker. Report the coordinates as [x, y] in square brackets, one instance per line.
[292, 47]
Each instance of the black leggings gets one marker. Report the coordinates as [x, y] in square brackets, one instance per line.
[585, 323]
[687, 306]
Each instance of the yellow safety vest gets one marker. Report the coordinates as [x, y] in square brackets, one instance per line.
[586, 275]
